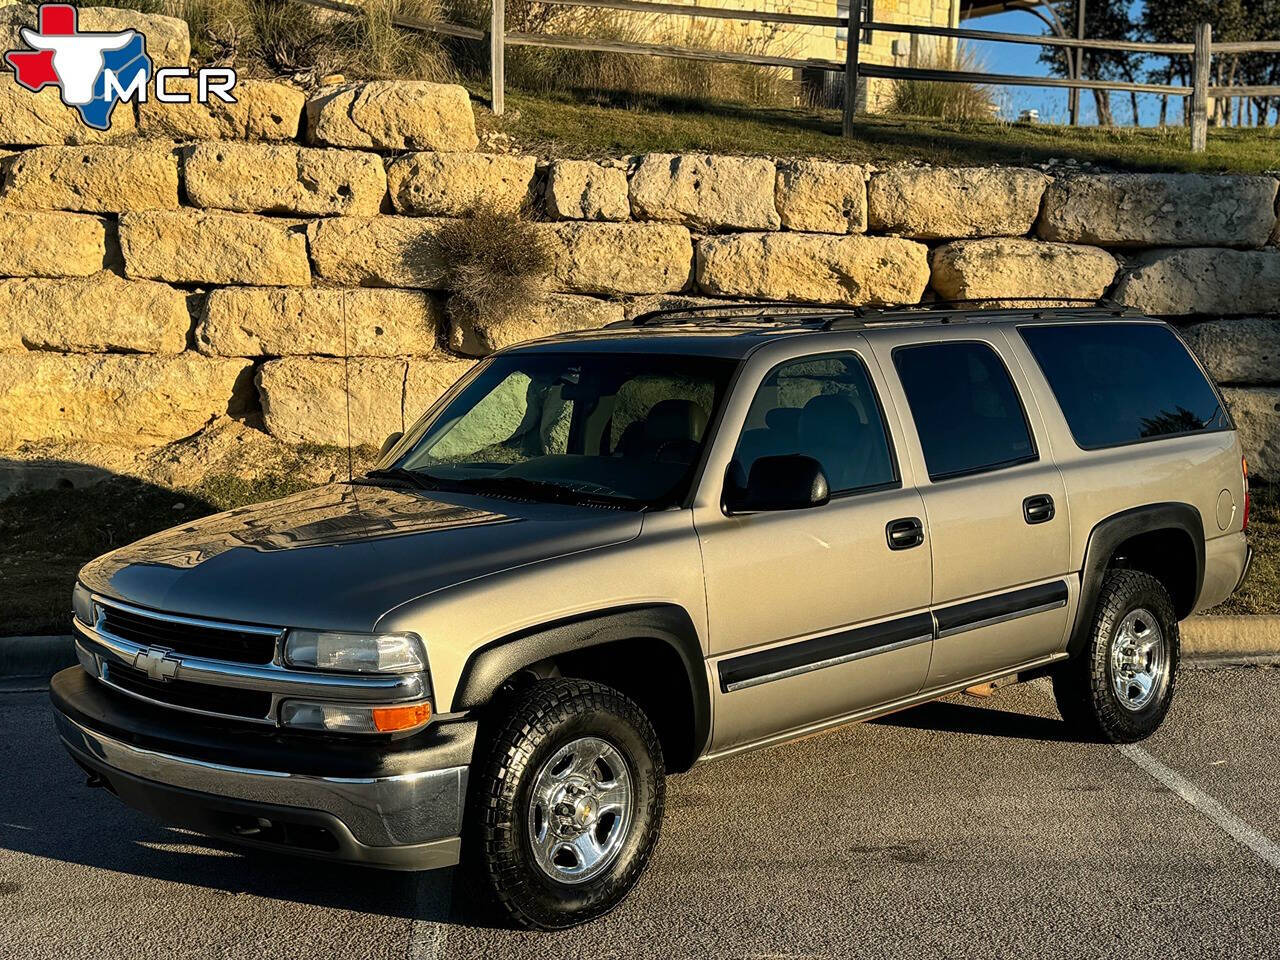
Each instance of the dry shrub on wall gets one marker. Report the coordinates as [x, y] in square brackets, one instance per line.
[283, 37]
[945, 101]
[495, 262]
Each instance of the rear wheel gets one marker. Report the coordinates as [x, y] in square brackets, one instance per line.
[568, 808]
[1120, 686]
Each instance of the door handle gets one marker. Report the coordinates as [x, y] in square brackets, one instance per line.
[1038, 509]
[905, 533]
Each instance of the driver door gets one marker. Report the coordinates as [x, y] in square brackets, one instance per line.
[813, 614]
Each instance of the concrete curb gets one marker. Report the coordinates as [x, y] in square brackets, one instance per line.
[35, 656]
[1219, 640]
[1231, 637]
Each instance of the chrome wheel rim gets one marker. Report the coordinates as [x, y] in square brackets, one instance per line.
[580, 810]
[1139, 664]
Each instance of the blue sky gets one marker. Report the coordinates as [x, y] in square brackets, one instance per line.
[1052, 103]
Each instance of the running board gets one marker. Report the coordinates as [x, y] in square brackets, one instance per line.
[1031, 669]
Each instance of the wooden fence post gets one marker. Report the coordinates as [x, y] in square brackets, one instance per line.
[1200, 88]
[852, 40]
[497, 55]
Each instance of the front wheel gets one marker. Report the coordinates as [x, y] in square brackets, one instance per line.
[569, 804]
[1120, 686]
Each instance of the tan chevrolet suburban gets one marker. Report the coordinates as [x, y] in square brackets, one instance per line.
[604, 557]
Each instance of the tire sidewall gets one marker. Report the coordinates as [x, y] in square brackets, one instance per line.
[1122, 595]
[581, 896]
[517, 880]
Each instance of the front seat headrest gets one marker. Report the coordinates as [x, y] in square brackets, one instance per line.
[829, 420]
[676, 419]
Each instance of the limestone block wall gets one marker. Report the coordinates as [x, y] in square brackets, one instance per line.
[220, 264]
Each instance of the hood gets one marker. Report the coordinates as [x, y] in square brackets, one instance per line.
[341, 556]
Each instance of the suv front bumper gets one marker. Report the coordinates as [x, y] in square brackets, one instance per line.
[366, 803]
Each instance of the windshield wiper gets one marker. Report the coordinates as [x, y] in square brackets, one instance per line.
[421, 481]
[541, 490]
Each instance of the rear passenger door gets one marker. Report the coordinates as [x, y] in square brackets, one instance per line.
[813, 613]
[994, 501]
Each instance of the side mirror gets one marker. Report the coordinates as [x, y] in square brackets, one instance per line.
[790, 482]
[390, 442]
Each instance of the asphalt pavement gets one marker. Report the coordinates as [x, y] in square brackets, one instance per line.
[964, 828]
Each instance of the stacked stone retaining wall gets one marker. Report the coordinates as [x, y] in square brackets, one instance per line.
[201, 263]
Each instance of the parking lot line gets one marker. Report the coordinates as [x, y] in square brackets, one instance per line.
[1244, 834]
[431, 899]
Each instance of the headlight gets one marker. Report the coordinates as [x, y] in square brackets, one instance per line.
[355, 652]
[349, 718]
[82, 605]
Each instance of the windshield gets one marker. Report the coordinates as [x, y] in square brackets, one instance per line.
[617, 429]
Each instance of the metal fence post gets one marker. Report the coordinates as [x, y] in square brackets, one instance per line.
[852, 40]
[1200, 87]
[497, 55]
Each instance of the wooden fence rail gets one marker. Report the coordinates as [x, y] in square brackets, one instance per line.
[1201, 52]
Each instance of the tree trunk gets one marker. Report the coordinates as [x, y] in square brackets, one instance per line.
[1231, 79]
[1133, 103]
[1215, 114]
[1102, 100]
[1164, 110]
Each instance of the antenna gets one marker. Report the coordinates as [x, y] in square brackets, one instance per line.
[346, 383]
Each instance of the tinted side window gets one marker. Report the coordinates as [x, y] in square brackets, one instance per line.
[1119, 383]
[825, 408]
[965, 407]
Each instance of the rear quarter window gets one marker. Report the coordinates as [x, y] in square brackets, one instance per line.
[1121, 383]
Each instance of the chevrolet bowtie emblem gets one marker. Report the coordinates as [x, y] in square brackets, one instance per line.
[157, 663]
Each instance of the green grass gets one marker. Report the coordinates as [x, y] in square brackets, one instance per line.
[1261, 592]
[568, 126]
[46, 536]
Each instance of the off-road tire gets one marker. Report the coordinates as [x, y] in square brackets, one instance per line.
[537, 722]
[1082, 686]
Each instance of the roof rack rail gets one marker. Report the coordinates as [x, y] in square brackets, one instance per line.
[958, 311]
[845, 316]
[763, 311]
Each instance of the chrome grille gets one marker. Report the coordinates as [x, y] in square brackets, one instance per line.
[188, 636]
[215, 668]
[200, 697]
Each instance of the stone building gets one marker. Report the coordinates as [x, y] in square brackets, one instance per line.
[829, 43]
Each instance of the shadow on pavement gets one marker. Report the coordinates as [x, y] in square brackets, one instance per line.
[948, 717]
[46, 811]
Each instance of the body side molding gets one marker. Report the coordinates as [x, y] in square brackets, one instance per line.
[815, 653]
[1023, 602]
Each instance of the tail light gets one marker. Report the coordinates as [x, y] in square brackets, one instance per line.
[1244, 466]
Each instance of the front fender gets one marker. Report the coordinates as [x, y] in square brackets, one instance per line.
[488, 667]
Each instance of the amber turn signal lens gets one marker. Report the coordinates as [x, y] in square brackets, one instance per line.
[390, 719]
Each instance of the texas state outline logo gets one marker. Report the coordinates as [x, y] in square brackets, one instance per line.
[93, 71]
